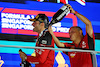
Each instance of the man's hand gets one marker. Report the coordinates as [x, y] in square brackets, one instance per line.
[50, 30]
[70, 8]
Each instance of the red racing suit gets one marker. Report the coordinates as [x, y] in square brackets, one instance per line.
[44, 57]
[81, 59]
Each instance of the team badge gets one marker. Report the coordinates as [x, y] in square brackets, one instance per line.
[83, 44]
[72, 55]
[44, 42]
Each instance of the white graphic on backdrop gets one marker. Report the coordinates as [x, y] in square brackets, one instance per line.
[20, 21]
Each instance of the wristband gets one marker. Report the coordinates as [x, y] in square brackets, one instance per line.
[75, 12]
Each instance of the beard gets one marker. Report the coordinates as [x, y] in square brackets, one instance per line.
[35, 30]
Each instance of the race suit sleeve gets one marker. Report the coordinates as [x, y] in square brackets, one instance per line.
[91, 42]
[41, 58]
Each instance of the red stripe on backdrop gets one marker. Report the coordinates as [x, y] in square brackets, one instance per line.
[31, 12]
[1, 8]
[59, 34]
[27, 32]
[9, 30]
[30, 32]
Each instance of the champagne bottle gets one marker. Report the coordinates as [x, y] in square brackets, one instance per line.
[60, 14]
[24, 63]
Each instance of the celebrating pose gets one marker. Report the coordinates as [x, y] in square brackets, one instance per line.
[79, 41]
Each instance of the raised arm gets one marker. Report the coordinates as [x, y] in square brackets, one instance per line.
[88, 24]
[56, 40]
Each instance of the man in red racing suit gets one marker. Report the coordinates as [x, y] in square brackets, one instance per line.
[44, 57]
